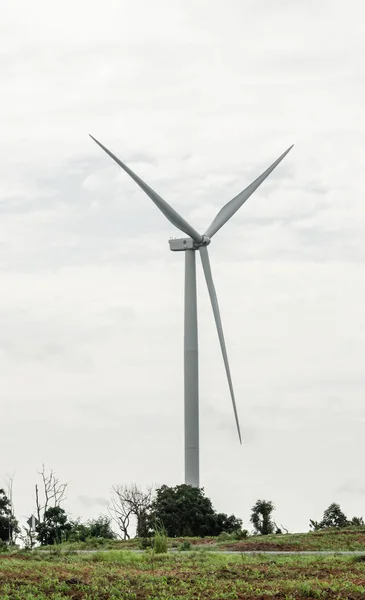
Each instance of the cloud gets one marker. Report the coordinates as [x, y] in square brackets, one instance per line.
[91, 304]
[93, 501]
[352, 487]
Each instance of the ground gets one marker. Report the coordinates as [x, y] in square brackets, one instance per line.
[201, 575]
[352, 538]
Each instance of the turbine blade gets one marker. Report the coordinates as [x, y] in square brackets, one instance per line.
[214, 300]
[233, 205]
[164, 207]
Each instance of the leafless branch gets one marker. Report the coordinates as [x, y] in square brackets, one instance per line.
[130, 501]
[53, 492]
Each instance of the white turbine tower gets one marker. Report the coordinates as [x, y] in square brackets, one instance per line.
[190, 245]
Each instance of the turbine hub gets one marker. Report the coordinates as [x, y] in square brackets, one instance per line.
[182, 244]
[205, 242]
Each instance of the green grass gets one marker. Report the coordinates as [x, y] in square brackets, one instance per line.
[332, 540]
[338, 540]
[160, 542]
[122, 575]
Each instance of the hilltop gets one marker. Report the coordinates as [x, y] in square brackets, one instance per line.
[352, 538]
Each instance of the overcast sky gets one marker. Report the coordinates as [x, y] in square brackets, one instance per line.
[198, 98]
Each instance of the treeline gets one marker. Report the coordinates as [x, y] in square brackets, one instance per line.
[180, 511]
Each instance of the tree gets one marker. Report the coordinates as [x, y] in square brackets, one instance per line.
[28, 537]
[79, 532]
[52, 493]
[54, 528]
[261, 517]
[100, 528]
[184, 510]
[8, 522]
[94, 528]
[13, 525]
[131, 502]
[334, 517]
[223, 523]
[357, 521]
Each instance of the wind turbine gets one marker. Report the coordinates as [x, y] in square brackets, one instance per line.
[190, 245]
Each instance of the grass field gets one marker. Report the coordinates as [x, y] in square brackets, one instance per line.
[335, 539]
[117, 575]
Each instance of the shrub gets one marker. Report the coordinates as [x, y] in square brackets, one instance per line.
[225, 536]
[145, 543]
[3, 546]
[95, 542]
[241, 534]
[185, 546]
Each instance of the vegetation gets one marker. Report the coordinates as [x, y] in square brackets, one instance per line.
[8, 523]
[177, 517]
[99, 528]
[261, 517]
[160, 542]
[332, 540]
[185, 511]
[129, 504]
[334, 517]
[122, 575]
[54, 528]
[349, 539]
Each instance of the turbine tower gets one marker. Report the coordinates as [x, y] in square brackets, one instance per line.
[190, 245]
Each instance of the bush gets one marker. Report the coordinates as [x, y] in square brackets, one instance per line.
[145, 543]
[95, 542]
[225, 536]
[3, 546]
[185, 546]
[241, 534]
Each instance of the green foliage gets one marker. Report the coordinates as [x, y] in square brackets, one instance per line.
[160, 541]
[94, 528]
[223, 523]
[185, 511]
[55, 527]
[242, 534]
[185, 546]
[261, 517]
[224, 537]
[3, 546]
[357, 521]
[234, 536]
[8, 523]
[145, 542]
[334, 517]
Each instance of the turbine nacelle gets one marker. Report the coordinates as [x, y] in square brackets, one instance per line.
[182, 244]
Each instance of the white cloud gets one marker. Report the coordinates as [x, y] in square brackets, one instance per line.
[198, 98]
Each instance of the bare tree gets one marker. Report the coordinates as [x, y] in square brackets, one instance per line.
[9, 482]
[52, 492]
[28, 537]
[130, 502]
[121, 514]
